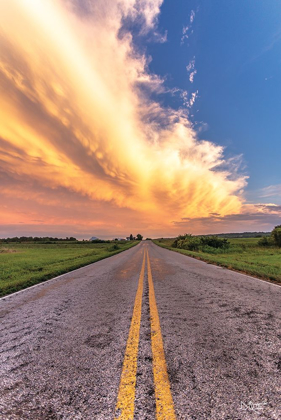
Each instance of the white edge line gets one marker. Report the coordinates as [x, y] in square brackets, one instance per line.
[247, 275]
[61, 275]
[224, 268]
[44, 282]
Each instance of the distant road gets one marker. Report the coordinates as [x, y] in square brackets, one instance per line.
[145, 334]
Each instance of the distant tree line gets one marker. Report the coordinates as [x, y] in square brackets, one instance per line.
[51, 239]
[242, 235]
[37, 239]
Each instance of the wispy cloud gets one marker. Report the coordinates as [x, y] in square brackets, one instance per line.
[188, 98]
[161, 38]
[190, 68]
[193, 98]
[187, 30]
[185, 34]
[271, 191]
[192, 16]
[191, 76]
[82, 139]
[191, 65]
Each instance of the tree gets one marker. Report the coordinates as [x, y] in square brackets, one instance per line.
[276, 235]
[131, 237]
[139, 237]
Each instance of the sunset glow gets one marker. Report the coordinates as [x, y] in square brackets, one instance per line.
[83, 144]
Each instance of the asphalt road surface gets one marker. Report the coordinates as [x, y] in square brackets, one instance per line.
[146, 334]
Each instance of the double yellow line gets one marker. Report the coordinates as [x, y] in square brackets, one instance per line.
[126, 395]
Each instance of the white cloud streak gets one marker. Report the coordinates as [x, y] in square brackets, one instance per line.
[192, 16]
[193, 98]
[185, 34]
[192, 75]
[190, 68]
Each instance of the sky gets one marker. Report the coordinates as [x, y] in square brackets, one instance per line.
[150, 116]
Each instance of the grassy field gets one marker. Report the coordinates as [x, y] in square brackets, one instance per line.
[244, 254]
[26, 264]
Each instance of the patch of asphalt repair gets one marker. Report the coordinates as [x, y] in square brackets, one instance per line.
[62, 343]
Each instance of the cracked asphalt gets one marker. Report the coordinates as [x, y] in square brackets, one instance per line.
[62, 343]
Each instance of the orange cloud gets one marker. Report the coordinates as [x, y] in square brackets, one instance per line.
[75, 118]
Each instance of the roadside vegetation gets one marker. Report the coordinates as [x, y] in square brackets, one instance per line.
[30, 262]
[260, 257]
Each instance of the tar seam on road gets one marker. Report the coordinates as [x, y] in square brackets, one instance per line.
[164, 399]
[126, 395]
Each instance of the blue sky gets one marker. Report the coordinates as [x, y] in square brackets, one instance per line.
[152, 116]
[236, 48]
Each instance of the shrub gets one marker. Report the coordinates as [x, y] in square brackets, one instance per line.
[195, 243]
[179, 240]
[114, 247]
[192, 244]
[214, 242]
[276, 235]
[187, 242]
[211, 250]
[264, 241]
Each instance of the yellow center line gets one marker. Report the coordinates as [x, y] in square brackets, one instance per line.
[126, 395]
[164, 399]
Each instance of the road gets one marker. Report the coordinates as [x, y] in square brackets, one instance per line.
[148, 333]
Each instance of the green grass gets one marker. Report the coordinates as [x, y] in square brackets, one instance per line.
[23, 265]
[244, 254]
